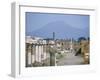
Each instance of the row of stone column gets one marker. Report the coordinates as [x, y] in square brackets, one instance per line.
[35, 53]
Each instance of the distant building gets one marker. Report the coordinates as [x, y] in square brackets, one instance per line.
[63, 44]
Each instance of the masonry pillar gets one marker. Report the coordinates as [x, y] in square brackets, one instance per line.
[52, 56]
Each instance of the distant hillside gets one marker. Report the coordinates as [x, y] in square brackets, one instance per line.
[61, 29]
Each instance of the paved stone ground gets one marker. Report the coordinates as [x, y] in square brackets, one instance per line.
[70, 59]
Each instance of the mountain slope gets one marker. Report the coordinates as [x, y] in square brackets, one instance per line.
[61, 29]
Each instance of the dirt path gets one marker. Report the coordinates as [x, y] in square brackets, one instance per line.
[70, 59]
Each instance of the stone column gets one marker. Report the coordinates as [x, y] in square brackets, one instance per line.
[55, 59]
[39, 52]
[52, 56]
[29, 56]
[44, 52]
[52, 59]
[33, 53]
[36, 53]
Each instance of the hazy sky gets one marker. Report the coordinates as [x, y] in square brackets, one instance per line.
[35, 21]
